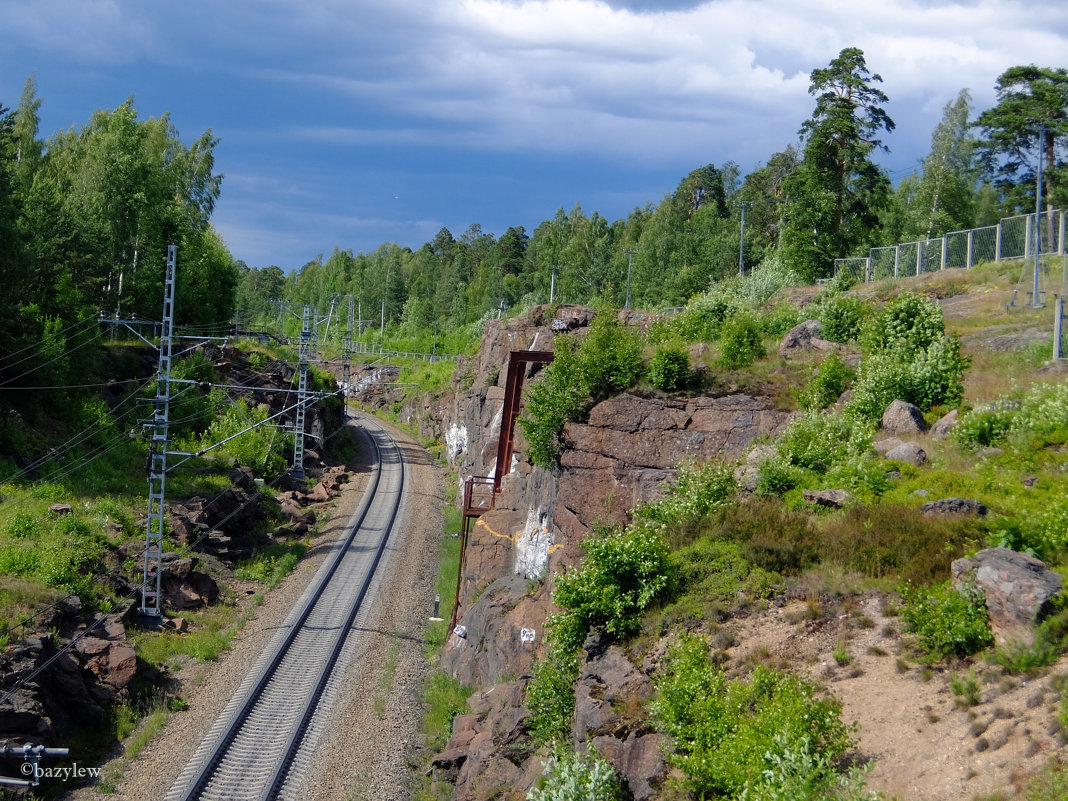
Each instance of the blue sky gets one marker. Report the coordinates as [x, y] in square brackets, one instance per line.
[351, 123]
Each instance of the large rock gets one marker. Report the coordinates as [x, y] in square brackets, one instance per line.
[953, 507]
[1018, 589]
[944, 425]
[908, 452]
[903, 418]
[639, 761]
[805, 336]
[609, 692]
[830, 498]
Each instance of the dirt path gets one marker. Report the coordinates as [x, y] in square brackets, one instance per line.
[378, 716]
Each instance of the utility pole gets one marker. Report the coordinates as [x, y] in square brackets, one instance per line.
[1035, 302]
[743, 205]
[382, 330]
[151, 612]
[297, 471]
[346, 345]
[629, 252]
[552, 286]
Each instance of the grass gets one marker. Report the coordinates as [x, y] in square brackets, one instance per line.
[210, 631]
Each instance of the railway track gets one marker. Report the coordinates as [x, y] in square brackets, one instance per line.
[259, 745]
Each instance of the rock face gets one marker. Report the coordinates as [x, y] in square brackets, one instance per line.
[1017, 588]
[945, 424]
[631, 445]
[903, 418]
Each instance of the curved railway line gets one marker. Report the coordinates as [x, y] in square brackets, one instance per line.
[261, 743]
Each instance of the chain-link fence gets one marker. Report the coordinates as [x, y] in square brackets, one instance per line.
[1012, 238]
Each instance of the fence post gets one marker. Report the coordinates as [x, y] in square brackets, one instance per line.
[897, 259]
[919, 258]
[867, 270]
[997, 244]
[969, 253]
[945, 248]
[1060, 236]
[1027, 236]
[1058, 328]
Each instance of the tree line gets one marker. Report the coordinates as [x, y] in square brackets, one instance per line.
[85, 217]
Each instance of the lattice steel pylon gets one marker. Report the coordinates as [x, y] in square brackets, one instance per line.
[297, 471]
[151, 607]
[346, 375]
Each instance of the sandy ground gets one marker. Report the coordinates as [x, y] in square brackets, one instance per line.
[923, 745]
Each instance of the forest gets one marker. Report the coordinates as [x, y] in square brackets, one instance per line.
[86, 214]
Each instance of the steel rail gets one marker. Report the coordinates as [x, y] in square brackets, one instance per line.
[210, 780]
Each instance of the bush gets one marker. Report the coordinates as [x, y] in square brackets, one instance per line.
[573, 777]
[929, 377]
[947, 622]
[581, 374]
[1043, 416]
[727, 731]
[985, 426]
[909, 320]
[669, 370]
[777, 477]
[621, 575]
[779, 320]
[841, 316]
[697, 491]
[816, 441]
[550, 697]
[833, 378]
[741, 342]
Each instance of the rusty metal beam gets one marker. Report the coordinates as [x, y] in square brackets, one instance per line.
[513, 396]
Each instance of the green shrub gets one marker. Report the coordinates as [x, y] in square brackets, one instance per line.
[726, 732]
[1043, 416]
[573, 777]
[621, 575]
[841, 316]
[669, 370]
[909, 320]
[550, 697]
[697, 490]
[908, 357]
[777, 477]
[741, 342]
[985, 426]
[581, 374]
[832, 379]
[947, 622]
[816, 441]
[711, 573]
[779, 320]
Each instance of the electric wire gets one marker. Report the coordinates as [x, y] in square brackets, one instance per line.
[45, 364]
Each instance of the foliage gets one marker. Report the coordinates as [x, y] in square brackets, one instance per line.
[669, 371]
[697, 491]
[910, 358]
[582, 373]
[622, 573]
[837, 191]
[712, 574]
[445, 698]
[965, 688]
[832, 379]
[725, 731]
[1043, 416]
[271, 564]
[263, 448]
[947, 621]
[841, 316]
[741, 342]
[984, 426]
[573, 777]
[817, 440]
[550, 697]
[1009, 134]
